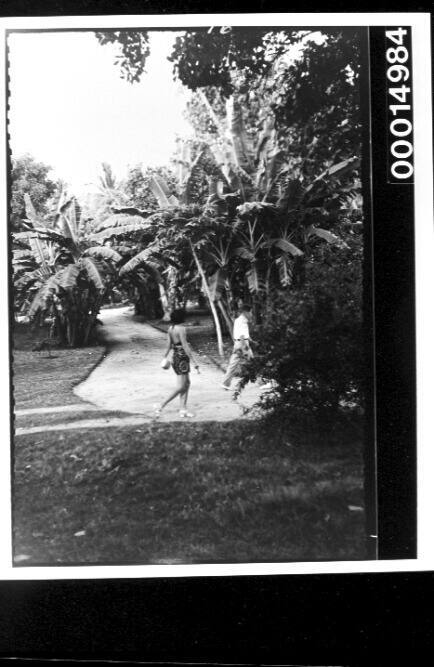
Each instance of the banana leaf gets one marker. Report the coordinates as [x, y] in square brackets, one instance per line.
[194, 179]
[291, 195]
[130, 210]
[253, 280]
[336, 171]
[37, 248]
[103, 252]
[285, 268]
[287, 247]
[161, 192]
[20, 255]
[213, 116]
[266, 139]
[47, 291]
[121, 219]
[36, 274]
[239, 139]
[244, 253]
[145, 260]
[30, 209]
[67, 277]
[217, 283]
[93, 273]
[323, 234]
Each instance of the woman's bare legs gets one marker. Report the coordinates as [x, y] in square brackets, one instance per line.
[183, 396]
[179, 390]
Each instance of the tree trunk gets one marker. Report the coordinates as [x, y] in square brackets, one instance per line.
[231, 303]
[226, 318]
[164, 303]
[211, 302]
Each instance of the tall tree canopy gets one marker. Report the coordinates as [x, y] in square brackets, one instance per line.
[306, 79]
[30, 177]
[133, 51]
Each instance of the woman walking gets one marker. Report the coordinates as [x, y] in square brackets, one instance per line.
[182, 354]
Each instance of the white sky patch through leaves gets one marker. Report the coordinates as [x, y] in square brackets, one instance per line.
[70, 109]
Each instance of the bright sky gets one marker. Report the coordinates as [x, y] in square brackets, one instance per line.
[70, 109]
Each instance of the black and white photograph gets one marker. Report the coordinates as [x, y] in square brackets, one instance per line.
[191, 240]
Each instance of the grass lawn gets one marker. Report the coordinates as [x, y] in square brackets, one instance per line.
[191, 492]
[43, 381]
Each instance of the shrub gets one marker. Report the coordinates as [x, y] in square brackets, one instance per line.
[310, 344]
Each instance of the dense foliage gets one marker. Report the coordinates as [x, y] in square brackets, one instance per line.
[263, 206]
[310, 345]
[59, 275]
[133, 50]
[30, 177]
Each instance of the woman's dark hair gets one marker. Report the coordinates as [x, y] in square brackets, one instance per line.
[246, 308]
[177, 316]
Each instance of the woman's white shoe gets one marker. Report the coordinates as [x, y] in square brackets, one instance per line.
[185, 413]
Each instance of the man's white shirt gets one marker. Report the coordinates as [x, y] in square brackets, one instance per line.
[241, 328]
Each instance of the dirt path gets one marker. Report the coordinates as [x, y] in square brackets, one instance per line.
[131, 380]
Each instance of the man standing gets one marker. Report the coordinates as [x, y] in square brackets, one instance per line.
[241, 349]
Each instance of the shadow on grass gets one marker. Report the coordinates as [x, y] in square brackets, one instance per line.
[189, 493]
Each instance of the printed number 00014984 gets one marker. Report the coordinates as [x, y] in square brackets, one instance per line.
[400, 126]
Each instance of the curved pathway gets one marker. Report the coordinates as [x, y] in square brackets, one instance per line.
[130, 378]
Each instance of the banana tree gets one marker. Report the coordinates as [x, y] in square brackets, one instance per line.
[64, 275]
[151, 261]
[130, 232]
[167, 252]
